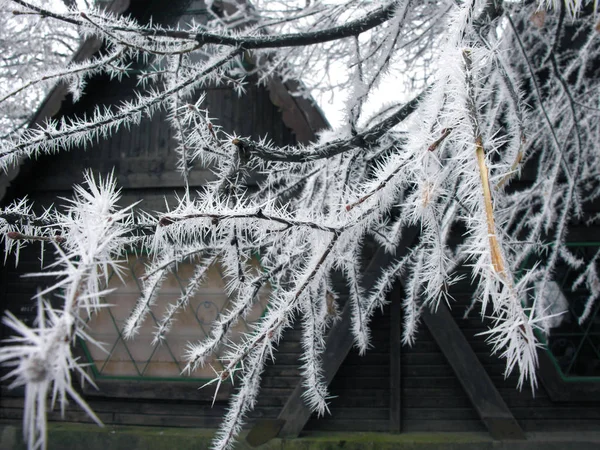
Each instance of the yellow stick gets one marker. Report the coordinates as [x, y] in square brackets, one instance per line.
[497, 260]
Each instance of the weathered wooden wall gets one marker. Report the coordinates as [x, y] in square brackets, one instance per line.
[432, 399]
[143, 157]
[361, 387]
[535, 411]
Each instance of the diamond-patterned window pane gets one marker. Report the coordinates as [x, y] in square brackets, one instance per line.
[138, 357]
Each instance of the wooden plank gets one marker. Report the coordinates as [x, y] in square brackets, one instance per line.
[180, 408]
[358, 414]
[439, 426]
[280, 382]
[379, 345]
[349, 424]
[372, 382]
[532, 412]
[438, 413]
[145, 137]
[474, 379]
[151, 408]
[156, 390]
[155, 135]
[346, 371]
[166, 421]
[127, 418]
[396, 360]
[419, 399]
[417, 371]
[362, 371]
[69, 416]
[291, 115]
[424, 359]
[560, 425]
[371, 357]
[281, 371]
[359, 398]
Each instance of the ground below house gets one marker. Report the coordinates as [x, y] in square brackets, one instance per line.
[90, 437]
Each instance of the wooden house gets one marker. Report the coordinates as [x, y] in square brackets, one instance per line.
[446, 383]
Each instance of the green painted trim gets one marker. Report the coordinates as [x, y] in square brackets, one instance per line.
[542, 338]
[155, 379]
[88, 355]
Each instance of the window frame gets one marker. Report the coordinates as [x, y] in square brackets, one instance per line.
[561, 387]
[156, 388]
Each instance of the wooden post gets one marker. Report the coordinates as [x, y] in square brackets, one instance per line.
[472, 376]
[339, 341]
[395, 359]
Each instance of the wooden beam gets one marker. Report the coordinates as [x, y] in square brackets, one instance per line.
[484, 396]
[395, 359]
[338, 343]
[302, 116]
[154, 389]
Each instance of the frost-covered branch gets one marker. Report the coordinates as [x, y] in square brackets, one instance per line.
[475, 122]
[92, 239]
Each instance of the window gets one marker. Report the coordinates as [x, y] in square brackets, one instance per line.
[574, 347]
[139, 358]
